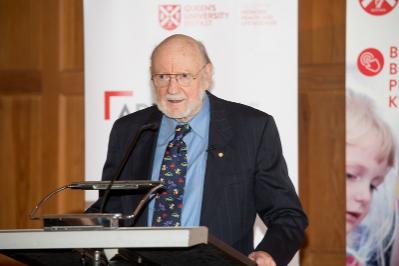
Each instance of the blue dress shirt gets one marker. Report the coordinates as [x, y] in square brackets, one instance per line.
[197, 145]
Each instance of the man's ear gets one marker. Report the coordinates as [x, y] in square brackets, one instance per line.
[208, 72]
[209, 69]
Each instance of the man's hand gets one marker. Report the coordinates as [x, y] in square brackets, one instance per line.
[262, 258]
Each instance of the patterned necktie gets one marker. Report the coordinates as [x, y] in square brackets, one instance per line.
[168, 205]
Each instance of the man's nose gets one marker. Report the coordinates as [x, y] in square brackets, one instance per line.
[173, 86]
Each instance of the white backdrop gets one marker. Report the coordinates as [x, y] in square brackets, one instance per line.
[252, 44]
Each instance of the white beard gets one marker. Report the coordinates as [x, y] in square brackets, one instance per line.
[191, 110]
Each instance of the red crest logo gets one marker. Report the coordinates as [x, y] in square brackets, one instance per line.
[370, 62]
[169, 16]
[378, 7]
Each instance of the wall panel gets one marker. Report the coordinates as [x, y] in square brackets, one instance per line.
[322, 31]
[70, 157]
[322, 129]
[20, 31]
[20, 81]
[20, 183]
[71, 35]
[325, 200]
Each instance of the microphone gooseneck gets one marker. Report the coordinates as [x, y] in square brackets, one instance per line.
[129, 150]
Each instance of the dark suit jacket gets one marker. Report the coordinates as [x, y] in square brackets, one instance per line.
[250, 178]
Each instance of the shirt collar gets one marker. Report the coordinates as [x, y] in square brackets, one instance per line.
[199, 123]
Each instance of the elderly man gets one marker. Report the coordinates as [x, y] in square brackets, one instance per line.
[221, 162]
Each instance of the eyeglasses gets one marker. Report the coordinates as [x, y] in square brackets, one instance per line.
[183, 79]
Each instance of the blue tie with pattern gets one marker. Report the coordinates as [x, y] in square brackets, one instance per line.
[168, 205]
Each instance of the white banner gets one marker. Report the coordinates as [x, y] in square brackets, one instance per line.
[252, 44]
[372, 83]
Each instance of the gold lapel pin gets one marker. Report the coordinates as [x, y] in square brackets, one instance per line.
[220, 154]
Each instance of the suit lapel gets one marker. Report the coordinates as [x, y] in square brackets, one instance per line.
[155, 117]
[220, 135]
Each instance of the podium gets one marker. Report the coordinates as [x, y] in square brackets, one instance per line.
[131, 246]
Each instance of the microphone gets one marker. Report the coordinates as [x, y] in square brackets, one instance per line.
[132, 145]
[117, 185]
[152, 186]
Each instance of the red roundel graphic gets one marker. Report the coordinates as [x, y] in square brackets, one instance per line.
[378, 7]
[370, 62]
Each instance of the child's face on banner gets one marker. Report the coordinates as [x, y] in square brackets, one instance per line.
[364, 173]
